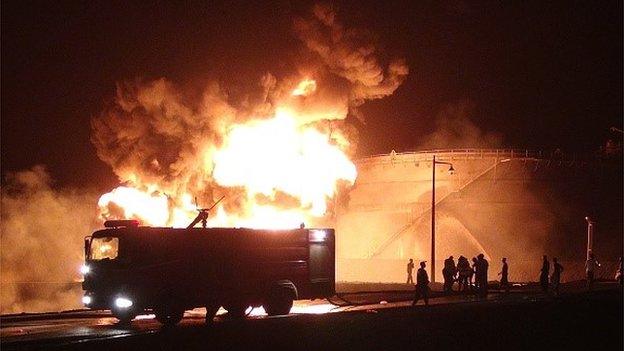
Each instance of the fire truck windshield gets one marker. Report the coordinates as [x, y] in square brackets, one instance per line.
[104, 248]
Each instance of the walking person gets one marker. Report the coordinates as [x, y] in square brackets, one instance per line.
[555, 279]
[410, 269]
[453, 273]
[590, 267]
[482, 268]
[449, 271]
[544, 274]
[422, 285]
[473, 275]
[504, 273]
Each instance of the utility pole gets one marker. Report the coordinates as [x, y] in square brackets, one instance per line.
[433, 220]
[590, 236]
[451, 170]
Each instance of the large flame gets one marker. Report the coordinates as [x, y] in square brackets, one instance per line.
[286, 171]
[278, 155]
[305, 88]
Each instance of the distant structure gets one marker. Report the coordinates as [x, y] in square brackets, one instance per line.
[517, 204]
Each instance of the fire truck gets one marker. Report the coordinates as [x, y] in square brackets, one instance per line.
[131, 269]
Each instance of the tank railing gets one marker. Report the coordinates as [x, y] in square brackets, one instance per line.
[461, 154]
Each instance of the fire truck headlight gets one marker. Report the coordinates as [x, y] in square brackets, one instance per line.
[123, 302]
[86, 300]
[84, 269]
[317, 235]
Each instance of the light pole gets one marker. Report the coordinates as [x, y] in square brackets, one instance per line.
[590, 236]
[451, 170]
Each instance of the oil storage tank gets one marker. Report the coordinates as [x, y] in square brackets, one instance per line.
[516, 204]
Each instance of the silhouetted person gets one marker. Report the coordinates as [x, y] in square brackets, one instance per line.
[449, 271]
[555, 279]
[557, 154]
[453, 272]
[504, 273]
[544, 274]
[474, 283]
[611, 147]
[464, 271]
[410, 269]
[482, 268]
[422, 285]
[618, 273]
[590, 267]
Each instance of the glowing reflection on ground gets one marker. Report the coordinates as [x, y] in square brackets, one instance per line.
[145, 316]
[299, 307]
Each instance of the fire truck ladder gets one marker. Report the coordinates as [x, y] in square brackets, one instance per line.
[203, 214]
[403, 229]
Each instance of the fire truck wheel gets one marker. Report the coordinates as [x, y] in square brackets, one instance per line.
[279, 302]
[211, 311]
[236, 310]
[124, 316]
[169, 315]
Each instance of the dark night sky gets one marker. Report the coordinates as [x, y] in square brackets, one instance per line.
[543, 76]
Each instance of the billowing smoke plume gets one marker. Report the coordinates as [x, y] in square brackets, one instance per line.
[351, 54]
[153, 132]
[42, 233]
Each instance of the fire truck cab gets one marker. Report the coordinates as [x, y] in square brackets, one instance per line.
[130, 269]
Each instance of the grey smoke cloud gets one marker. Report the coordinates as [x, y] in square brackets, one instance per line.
[454, 128]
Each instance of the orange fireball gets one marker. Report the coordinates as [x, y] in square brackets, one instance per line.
[264, 160]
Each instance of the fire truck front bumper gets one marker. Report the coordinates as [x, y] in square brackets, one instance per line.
[102, 301]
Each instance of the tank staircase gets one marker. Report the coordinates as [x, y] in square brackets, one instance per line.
[381, 248]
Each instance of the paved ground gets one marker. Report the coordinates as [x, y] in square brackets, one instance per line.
[524, 318]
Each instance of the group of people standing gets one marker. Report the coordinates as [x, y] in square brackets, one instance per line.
[555, 278]
[591, 264]
[464, 272]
